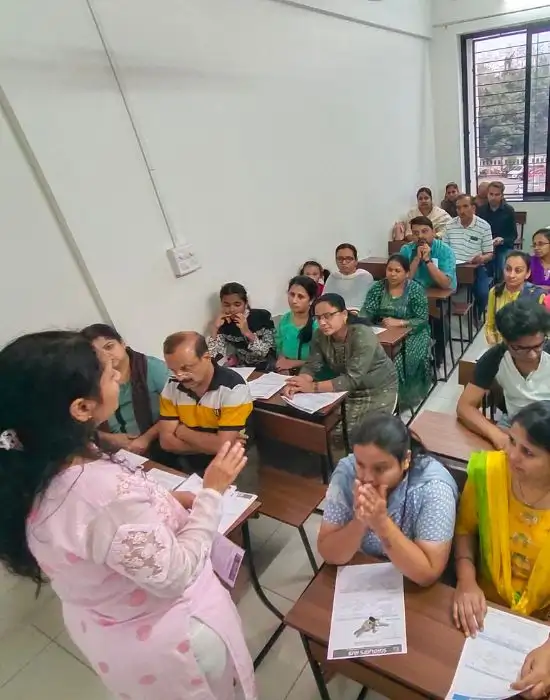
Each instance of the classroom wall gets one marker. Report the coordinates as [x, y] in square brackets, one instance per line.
[261, 133]
[453, 18]
[33, 251]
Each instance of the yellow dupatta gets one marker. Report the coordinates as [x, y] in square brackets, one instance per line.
[489, 471]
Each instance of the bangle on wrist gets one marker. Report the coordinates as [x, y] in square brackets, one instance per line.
[465, 556]
[315, 387]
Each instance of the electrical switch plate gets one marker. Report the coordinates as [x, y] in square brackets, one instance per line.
[183, 260]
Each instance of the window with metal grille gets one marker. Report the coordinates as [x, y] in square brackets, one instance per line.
[506, 92]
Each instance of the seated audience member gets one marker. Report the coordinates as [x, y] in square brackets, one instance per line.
[517, 269]
[239, 334]
[398, 302]
[520, 364]
[317, 272]
[471, 240]
[502, 546]
[426, 208]
[502, 219]
[433, 264]
[350, 282]
[449, 203]
[351, 353]
[296, 327]
[540, 261]
[390, 499]
[134, 425]
[202, 405]
[481, 198]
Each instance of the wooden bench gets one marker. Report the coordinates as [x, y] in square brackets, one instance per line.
[495, 396]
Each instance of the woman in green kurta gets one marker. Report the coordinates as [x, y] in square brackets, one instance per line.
[400, 302]
[296, 327]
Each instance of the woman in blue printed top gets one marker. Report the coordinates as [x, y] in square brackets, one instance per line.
[391, 500]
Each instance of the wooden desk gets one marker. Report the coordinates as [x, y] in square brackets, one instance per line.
[466, 273]
[392, 340]
[443, 435]
[274, 419]
[434, 644]
[376, 266]
[395, 246]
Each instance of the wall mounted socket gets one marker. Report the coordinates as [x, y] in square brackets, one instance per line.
[183, 260]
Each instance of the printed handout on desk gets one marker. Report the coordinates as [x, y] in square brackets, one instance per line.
[311, 403]
[267, 385]
[368, 612]
[234, 503]
[377, 330]
[167, 479]
[490, 662]
[245, 372]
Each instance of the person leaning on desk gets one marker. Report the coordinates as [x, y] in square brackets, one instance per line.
[504, 516]
[390, 499]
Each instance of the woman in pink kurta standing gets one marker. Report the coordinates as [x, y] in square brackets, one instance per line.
[129, 562]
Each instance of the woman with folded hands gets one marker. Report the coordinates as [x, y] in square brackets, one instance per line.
[391, 500]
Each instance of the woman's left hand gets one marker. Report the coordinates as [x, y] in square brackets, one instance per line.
[534, 677]
[139, 445]
[184, 498]
[373, 501]
[392, 323]
[301, 383]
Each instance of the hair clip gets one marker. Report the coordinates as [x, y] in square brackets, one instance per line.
[10, 441]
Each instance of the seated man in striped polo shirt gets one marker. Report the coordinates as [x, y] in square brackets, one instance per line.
[471, 239]
[202, 404]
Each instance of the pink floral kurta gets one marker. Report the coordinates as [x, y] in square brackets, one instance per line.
[131, 566]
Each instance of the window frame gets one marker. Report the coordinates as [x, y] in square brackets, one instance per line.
[469, 106]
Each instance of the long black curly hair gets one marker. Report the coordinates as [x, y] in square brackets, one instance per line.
[41, 374]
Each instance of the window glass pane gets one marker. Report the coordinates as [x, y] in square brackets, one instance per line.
[499, 114]
[540, 91]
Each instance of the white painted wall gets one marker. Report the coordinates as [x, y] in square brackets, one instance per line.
[40, 284]
[270, 130]
[457, 17]
[412, 16]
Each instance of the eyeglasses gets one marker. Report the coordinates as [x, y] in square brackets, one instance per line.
[346, 259]
[326, 317]
[540, 245]
[526, 349]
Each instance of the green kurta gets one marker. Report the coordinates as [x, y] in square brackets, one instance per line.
[414, 372]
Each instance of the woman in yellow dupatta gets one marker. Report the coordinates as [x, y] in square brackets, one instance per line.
[502, 543]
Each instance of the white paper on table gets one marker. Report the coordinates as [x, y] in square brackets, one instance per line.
[461, 262]
[167, 479]
[493, 659]
[368, 612]
[131, 459]
[234, 503]
[311, 403]
[245, 372]
[267, 385]
[376, 329]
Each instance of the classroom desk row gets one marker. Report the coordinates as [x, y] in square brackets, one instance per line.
[434, 645]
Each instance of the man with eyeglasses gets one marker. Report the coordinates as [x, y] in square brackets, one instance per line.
[520, 365]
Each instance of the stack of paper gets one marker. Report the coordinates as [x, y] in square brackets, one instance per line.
[245, 372]
[311, 403]
[377, 330]
[368, 613]
[493, 659]
[267, 385]
[167, 479]
[234, 503]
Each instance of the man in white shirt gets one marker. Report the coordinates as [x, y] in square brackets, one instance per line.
[471, 239]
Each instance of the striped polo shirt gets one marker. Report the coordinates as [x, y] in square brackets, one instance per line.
[226, 404]
[468, 241]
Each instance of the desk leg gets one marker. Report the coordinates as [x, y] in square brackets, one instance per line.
[345, 433]
[316, 670]
[261, 595]
[307, 547]
[442, 321]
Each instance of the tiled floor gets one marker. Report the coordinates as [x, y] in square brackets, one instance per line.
[37, 658]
